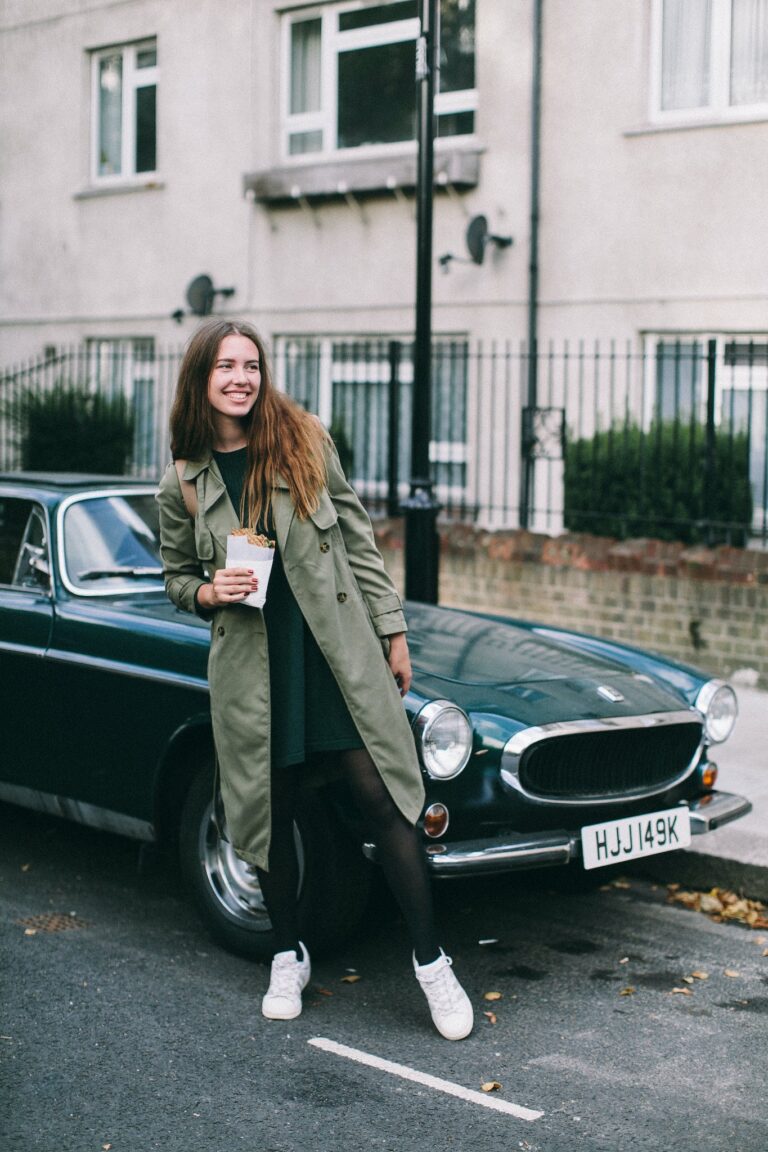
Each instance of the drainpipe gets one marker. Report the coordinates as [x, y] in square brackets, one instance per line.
[527, 439]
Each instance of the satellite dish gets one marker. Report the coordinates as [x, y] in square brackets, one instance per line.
[200, 295]
[478, 238]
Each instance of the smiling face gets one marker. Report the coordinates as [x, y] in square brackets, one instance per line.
[235, 378]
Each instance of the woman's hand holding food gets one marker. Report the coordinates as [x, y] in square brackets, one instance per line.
[229, 586]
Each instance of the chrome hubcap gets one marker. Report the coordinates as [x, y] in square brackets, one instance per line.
[234, 882]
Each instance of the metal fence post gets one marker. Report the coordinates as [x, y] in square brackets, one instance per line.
[710, 452]
[393, 429]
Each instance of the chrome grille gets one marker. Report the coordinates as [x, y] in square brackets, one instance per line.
[604, 759]
[589, 765]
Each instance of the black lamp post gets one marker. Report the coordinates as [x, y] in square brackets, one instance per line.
[422, 546]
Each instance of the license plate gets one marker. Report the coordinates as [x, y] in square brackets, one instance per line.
[635, 836]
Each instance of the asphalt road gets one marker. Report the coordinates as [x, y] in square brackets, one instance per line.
[130, 1031]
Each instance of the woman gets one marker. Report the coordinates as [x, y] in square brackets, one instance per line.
[306, 675]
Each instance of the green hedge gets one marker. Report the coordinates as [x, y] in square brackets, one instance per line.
[629, 482]
[72, 430]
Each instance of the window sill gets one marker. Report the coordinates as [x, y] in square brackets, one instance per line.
[323, 180]
[94, 191]
[685, 125]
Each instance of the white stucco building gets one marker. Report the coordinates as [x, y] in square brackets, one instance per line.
[269, 145]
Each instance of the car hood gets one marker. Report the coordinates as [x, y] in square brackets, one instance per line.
[491, 666]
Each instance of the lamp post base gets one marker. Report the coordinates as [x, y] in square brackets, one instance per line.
[422, 544]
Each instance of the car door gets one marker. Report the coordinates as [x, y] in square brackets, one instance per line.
[118, 659]
[26, 619]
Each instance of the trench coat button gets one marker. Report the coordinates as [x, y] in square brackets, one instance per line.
[324, 547]
[341, 597]
[220, 631]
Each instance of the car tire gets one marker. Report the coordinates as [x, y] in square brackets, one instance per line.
[333, 886]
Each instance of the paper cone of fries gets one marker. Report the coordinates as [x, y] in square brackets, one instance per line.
[245, 549]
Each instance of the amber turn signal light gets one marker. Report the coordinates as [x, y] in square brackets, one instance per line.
[436, 820]
[709, 775]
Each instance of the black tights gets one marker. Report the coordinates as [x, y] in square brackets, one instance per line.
[398, 850]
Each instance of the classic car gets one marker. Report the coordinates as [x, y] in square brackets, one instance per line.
[539, 746]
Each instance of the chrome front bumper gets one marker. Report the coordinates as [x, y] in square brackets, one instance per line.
[537, 849]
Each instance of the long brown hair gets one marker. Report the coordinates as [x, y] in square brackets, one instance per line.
[281, 436]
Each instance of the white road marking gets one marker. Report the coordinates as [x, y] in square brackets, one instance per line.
[417, 1077]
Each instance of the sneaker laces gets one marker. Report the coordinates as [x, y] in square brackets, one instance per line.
[443, 988]
[285, 978]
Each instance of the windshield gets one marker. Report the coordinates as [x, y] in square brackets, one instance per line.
[111, 544]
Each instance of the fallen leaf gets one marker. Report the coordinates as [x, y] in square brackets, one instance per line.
[621, 884]
[491, 1086]
[624, 960]
[721, 905]
[492, 996]
[106, 1147]
[682, 991]
[687, 979]
[688, 899]
[759, 939]
[700, 975]
[628, 991]
[732, 973]
[349, 979]
[30, 931]
[26, 867]
[324, 991]
[491, 1017]
[765, 951]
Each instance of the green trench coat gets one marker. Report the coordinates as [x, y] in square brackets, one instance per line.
[350, 604]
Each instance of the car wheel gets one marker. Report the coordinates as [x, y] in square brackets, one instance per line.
[333, 883]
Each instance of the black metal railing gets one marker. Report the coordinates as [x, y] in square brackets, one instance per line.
[666, 438]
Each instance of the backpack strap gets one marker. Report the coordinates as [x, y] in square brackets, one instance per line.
[188, 490]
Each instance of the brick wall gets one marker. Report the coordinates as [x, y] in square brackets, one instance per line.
[707, 607]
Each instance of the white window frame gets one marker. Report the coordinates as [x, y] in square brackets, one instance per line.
[125, 365]
[332, 43]
[369, 370]
[719, 109]
[133, 78]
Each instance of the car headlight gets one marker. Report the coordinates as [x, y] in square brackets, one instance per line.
[717, 703]
[443, 739]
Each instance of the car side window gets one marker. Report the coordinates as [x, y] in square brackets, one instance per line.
[24, 561]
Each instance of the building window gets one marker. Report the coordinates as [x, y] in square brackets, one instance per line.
[710, 59]
[719, 380]
[128, 367]
[350, 75]
[348, 384]
[124, 101]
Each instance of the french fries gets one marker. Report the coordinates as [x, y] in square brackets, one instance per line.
[254, 538]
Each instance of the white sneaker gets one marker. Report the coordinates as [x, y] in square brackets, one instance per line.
[288, 978]
[449, 1004]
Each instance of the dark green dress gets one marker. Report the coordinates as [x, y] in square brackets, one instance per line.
[308, 712]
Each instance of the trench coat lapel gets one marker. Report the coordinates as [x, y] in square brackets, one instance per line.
[216, 508]
[283, 512]
[216, 511]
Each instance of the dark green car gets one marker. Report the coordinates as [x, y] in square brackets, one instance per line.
[538, 747]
